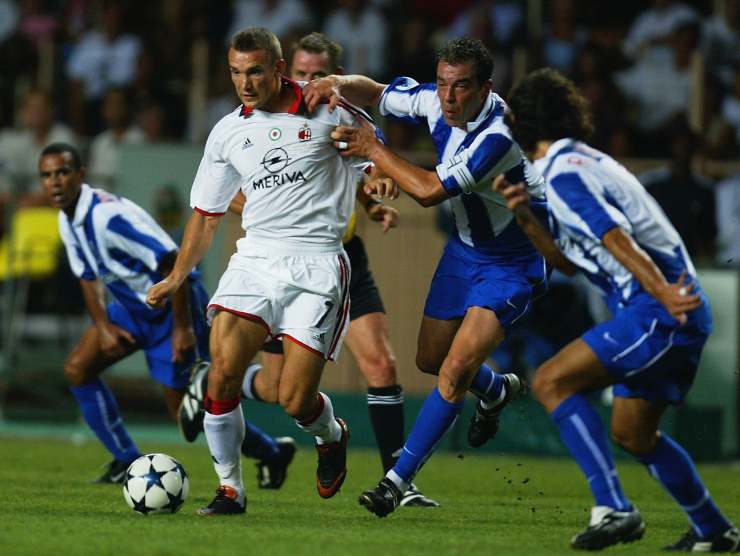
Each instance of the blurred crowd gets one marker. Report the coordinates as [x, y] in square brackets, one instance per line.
[102, 73]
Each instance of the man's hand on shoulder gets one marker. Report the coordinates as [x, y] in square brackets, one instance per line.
[320, 91]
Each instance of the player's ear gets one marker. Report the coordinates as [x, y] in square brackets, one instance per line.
[281, 66]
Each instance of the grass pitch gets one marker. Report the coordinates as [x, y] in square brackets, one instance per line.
[490, 505]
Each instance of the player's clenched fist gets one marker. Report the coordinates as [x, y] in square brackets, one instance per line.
[159, 292]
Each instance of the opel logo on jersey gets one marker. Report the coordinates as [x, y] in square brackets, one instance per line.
[275, 134]
[304, 134]
[275, 160]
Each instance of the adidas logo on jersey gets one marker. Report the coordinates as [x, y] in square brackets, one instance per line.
[246, 144]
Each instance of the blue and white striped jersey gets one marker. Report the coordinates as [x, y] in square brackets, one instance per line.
[467, 162]
[589, 193]
[115, 240]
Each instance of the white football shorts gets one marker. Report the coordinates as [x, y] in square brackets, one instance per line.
[302, 297]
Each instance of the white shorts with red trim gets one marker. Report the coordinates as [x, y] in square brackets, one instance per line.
[299, 297]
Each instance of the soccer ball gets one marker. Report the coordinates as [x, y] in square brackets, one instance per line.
[155, 484]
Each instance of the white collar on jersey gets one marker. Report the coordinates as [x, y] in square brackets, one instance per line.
[541, 163]
[83, 205]
[485, 111]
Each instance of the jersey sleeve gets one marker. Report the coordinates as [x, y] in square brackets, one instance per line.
[216, 181]
[76, 257]
[489, 155]
[132, 235]
[584, 207]
[405, 99]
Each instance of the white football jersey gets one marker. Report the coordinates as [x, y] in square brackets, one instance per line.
[589, 193]
[299, 190]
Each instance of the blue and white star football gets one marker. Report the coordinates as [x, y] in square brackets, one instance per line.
[155, 484]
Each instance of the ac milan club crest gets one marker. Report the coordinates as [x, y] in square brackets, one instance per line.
[304, 134]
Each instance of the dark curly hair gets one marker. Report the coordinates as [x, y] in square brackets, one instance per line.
[61, 148]
[465, 50]
[547, 106]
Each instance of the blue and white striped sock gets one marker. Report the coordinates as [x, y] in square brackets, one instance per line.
[488, 385]
[100, 411]
[584, 435]
[674, 469]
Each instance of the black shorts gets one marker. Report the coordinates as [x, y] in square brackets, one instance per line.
[363, 293]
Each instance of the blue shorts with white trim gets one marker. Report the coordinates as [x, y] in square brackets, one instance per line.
[155, 338]
[466, 278]
[651, 356]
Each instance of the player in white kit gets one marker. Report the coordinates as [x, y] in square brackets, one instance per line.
[289, 277]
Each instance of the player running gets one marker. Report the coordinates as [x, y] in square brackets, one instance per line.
[489, 273]
[316, 56]
[111, 241]
[289, 277]
[608, 227]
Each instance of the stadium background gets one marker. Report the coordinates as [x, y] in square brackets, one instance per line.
[664, 86]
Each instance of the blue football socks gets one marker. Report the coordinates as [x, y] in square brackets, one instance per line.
[100, 411]
[584, 435]
[259, 445]
[673, 468]
[436, 417]
[487, 384]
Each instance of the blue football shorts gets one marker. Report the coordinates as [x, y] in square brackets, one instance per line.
[648, 352]
[466, 278]
[154, 336]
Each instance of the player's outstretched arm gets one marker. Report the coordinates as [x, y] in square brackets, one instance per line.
[183, 334]
[114, 340]
[197, 239]
[357, 89]
[518, 201]
[422, 185]
[676, 298]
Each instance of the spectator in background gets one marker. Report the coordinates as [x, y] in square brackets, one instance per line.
[36, 23]
[21, 148]
[282, 17]
[721, 40]
[728, 222]
[104, 149]
[659, 83]
[498, 25]
[686, 197]
[731, 109]
[563, 38]
[655, 26]
[101, 60]
[151, 120]
[364, 31]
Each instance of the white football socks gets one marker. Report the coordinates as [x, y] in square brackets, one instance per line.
[324, 426]
[248, 383]
[224, 434]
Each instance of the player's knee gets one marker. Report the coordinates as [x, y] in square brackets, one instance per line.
[379, 370]
[542, 387]
[74, 374]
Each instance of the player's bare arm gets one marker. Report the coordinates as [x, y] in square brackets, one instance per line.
[386, 216]
[357, 89]
[236, 205]
[517, 200]
[197, 239]
[422, 185]
[676, 298]
[183, 334]
[114, 340]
